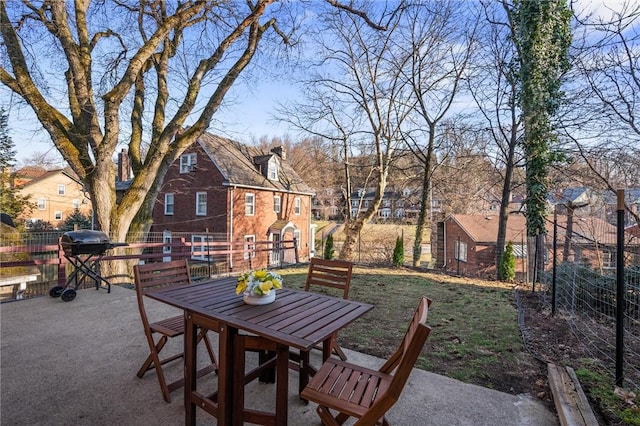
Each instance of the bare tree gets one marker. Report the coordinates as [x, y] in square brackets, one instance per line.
[357, 101]
[603, 120]
[494, 89]
[465, 178]
[438, 40]
[149, 75]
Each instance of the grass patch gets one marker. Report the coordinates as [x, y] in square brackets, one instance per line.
[600, 386]
[474, 338]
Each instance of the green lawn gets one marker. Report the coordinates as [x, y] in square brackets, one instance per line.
[475, 335]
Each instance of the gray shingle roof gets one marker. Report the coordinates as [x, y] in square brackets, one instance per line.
[237, 163]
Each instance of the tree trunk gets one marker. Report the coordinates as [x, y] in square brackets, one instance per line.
[353, 227]
[352, 230]
[503, 215]
[426, 189]
[426, 183]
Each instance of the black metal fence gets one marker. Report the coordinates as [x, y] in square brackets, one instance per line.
[592, 280]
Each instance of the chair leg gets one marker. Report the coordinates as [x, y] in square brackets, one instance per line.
[203, 336]
[166, 393]
[341, 418]
[337, 349]
[149, 362]
[326, 417]
[268, 375]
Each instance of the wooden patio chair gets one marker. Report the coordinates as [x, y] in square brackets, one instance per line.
[329, 274]
[153, 276]
[334, 274]
[355, 391]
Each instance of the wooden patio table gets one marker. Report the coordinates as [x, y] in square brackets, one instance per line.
[298, 319]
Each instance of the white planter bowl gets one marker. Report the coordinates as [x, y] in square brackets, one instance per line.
[252, 299]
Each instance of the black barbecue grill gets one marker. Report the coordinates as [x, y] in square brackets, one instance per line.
[83, 249]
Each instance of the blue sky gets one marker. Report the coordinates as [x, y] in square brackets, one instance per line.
[246, 116]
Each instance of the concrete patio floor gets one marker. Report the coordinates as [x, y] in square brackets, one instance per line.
[75, 363]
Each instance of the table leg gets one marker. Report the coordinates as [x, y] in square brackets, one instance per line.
[282, 385]
[190, 366]
[226, 367]
[238, 379]
[326, 349]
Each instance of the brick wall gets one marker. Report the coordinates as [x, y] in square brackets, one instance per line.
[207, 178]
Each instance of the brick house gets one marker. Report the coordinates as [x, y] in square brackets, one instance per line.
[397, 205]
[57, 194]
[220, 186]
[328, 204]
[466, 244]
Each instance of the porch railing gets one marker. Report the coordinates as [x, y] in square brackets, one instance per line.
[206, 259]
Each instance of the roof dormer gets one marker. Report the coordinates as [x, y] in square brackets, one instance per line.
[268, 166]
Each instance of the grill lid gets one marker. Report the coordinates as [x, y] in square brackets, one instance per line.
[85, 236]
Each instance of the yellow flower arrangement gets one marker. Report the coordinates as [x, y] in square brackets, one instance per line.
[259, 282]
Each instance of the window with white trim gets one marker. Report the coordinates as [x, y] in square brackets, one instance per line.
[201, 203]
[166, 245]
[272, 169]
[42, 203]
[460, 251]
[199, 248]
[276, 203]
[249, 204]
[608, 259]
[57, 215]
[76, 203]
[62, 189]
[296, 206]
[188, 162]
[297, 235]
[249, 246]
[169, 204]
[166, 241]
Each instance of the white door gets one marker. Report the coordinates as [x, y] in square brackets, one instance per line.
[275, 249]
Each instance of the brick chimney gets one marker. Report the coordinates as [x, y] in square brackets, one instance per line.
[280, 152]
[124, 166]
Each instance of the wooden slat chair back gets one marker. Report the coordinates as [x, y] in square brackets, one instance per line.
[329, 273]
[354, 391]
[153, 276]
[326, 273]
[334, 274]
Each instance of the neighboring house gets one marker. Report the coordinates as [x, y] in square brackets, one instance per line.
[56, 193]
[592, 242]
[328, 204]
[579, 201]
[631, 201]
[124, 174]
[221, 186]
[396, 205]
[466, 244]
